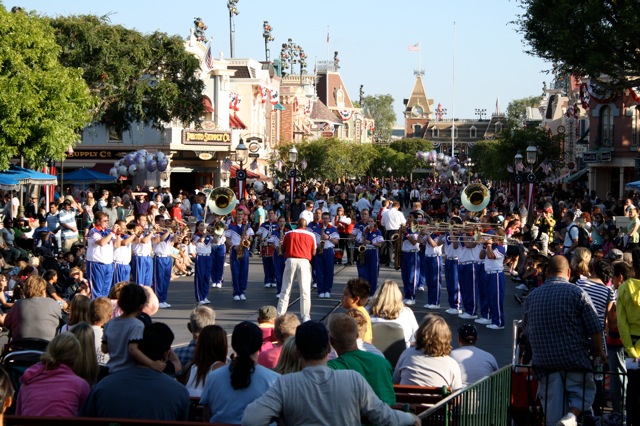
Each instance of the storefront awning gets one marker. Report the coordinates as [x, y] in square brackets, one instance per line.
[250, 174]
[206, 102]
[574, 177]
[236, 123]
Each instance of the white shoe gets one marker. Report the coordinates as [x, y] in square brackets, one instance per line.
[453, 311]
[327, 295]
[206, 301]
[522, 287]
[428, 306]
[236, 298]
[483, 321]
[568, 420]
[321, 295]
[201, 303]
[421, 288]
[219, 285]
[274, 285]
[226, 263]
[467, 316]
[278, 296]
[315, 285]
[497, 327]
[267, 285]
[243, 297]
[409, 302]
[214, 285]
[162, 305]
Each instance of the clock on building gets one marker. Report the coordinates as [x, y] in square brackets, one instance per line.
[417, 111]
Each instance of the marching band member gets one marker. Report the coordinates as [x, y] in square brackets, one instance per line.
[100, 251]
[484, 316]
[122, 253]
[162, 260]
[369, 269]
[218, 255]
[326, 237]
[142, 262]
[493, 255]
[266, 247]
[277, 238]
[469, 256]
[239, 233]
[311, 226]
[358, 229]
[451, 254]
[410, 268]
[433, 267]
[203, 264]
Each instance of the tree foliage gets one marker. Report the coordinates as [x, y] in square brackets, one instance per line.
[595, 38]
[138, 78]
[517, 110]
[43, 105]
[380, 108]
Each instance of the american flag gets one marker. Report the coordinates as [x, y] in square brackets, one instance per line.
[208, 58]
[414, 47]
[510, 169]
[254, 165]
[519, 167]
[226, 164]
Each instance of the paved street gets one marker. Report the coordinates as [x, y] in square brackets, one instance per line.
[229, 313]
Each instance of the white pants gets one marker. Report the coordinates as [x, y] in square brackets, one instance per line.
[299, 269]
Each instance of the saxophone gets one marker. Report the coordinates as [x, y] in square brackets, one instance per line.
[362, 248]
[321, 245]
[397, 241]
[280, 242]
[244, 243]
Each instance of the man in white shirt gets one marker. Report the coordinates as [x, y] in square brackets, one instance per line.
[363, 203]
[392, 220]
[474, 362]
[307, 213]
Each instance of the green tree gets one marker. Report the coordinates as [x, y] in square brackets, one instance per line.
[43, 105]
[138, 78]
[595, 38]
[380, 108]
[517, 110]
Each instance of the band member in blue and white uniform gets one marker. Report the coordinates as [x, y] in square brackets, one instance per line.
[311, 227]
[100, 251]
[410, 262]
[235, 233]
[202, 277]
[142, 262]
[122, 253]
[371, 238]
[493, 255]
[469, 256]
[358, 229]
[218, 255]
[433, 269]
[451, 255]
[162, 260]
[277, 237]
[327, 239]
[267, 248]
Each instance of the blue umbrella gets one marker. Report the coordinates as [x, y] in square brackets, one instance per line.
[87, 176]
[633, 186]
[26, 176]
[9, 183]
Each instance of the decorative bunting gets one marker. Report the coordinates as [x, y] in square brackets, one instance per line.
[345, 115]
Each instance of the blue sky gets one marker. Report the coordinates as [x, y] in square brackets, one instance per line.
[372, 38]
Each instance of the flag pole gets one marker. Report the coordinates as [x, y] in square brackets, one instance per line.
[328, 40]
[453, 92]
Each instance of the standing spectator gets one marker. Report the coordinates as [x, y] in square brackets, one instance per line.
[68, 224]
[560, 359]
[299, 247]
[474, 362]
[53, 223]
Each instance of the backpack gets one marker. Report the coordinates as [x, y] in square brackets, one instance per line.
[584, 239]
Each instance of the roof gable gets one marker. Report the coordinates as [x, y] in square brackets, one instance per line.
[419, 97]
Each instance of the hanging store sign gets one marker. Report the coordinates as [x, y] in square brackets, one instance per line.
[199, 137]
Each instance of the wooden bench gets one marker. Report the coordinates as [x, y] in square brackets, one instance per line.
[418, 398]
[11, 420]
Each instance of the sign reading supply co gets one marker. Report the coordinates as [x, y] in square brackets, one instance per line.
[200, 137]
[98, 154]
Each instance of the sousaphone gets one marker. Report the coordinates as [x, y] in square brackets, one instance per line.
[221, 201]
[475, 197]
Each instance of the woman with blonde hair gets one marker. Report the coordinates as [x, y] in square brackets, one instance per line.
[50, 387]
[36, 316]
[428, 362]
[580, 261]
[387, 306]
[289, 361]
[86, 364]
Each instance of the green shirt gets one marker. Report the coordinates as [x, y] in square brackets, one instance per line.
[375, 369]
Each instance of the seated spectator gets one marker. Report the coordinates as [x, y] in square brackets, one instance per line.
[6, 393]
[199, 318]
[51, 277]
[377, 371]
[230, 389]
[100, 311]
[78, 311]
[140, 392]
[50, 387]
[361, 320]
[266, 321]
[289, 361]
[428, 363]
[35, 316]
[474, 362]
[356, 295]
[387, 306]
[86, 365]
[317, 393]
[210, 354]
[285, 327]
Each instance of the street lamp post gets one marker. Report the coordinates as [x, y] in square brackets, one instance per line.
[291, 54]
[241, 174]
[532, 158]
[390, 170]
[266, 34]
[233, 11]
[517, 162]
[481, 112]
[468, 164]
[293, 158]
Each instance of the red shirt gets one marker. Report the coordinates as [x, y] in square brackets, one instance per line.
[299, 244]
[176, 213]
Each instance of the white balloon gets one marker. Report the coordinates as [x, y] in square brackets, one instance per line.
[163, 164]
[143, 152]
[133, 169]
[114, 172]
[258, 186]
[160, 155]
[149, 158]
[123, 170]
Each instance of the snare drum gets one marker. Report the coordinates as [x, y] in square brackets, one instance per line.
[267, 250]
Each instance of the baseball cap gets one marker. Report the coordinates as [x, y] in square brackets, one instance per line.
[312, 338]
[615, 254]
[267, 312]
[468, 333]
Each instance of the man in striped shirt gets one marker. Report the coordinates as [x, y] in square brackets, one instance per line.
[68, 225]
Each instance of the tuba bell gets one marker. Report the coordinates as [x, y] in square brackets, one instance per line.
[475, 197]
[221, 201]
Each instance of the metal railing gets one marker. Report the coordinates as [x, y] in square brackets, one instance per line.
[485, 402]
